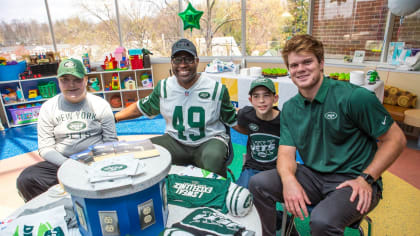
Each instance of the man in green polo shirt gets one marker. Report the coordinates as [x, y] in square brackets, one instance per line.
[335, 127]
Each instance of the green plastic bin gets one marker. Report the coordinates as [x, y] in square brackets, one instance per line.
[47, 89]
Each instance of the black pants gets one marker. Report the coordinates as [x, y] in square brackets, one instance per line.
[333, 210]
[36, 179]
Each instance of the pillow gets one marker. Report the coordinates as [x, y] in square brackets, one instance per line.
[399, 97]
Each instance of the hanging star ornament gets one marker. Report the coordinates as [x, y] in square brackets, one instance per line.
[191, 17]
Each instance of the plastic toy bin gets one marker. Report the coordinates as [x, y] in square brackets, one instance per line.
[11, 72]
[47, 89]
[24, 115]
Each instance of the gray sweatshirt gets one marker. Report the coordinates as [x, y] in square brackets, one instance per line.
[66, 128]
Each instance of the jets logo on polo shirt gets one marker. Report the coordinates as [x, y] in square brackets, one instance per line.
[330, 115]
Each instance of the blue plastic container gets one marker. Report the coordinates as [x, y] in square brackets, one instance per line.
[11, 72]
[136, 209]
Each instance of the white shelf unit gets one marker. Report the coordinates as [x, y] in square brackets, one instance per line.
[105, 77]
[25, 86]
[126, 96]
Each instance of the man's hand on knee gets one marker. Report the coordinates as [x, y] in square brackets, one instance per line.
[361, 189]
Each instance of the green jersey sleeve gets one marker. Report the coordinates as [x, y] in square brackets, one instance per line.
[227, 111]
[367, 112]
[150, 105]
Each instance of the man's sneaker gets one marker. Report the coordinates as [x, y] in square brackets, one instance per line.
[279, 219]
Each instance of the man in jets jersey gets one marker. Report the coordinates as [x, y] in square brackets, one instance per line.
[196, 109]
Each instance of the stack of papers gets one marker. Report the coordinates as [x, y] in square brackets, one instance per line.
[114, 172]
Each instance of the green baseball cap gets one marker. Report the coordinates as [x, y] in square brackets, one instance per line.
[268, 83]
[71, 67]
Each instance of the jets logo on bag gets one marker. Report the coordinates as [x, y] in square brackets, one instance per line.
[238, 200]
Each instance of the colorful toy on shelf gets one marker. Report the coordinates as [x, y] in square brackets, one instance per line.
[93, 85]
[146, 80]
[136, 58]
[9, 95]
[33, 95]
[106, 63]
[115, 83]
[113, 62]
[124, 63]
[86, 62]
[115, 101]
[120, 57]
[19, 94]
[110, 63]
[129, 83]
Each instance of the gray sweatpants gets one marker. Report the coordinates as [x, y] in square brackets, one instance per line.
[332, 210]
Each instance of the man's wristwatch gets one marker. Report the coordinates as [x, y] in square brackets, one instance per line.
[368, 178]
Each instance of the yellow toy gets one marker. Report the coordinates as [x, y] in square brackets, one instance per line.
[32, 93]
[115, 83]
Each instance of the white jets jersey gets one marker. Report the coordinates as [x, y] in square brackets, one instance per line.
[192, 115]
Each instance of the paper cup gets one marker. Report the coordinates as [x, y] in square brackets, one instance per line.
[245, 72]
[255, 71]
[357, 77]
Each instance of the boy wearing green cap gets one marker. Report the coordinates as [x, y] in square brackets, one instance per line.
[68, 123]
[261, 122]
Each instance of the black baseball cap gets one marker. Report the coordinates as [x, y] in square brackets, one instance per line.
[184, 45]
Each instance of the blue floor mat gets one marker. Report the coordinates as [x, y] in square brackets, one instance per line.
[19, 140]
[23, 139]
[142, 125]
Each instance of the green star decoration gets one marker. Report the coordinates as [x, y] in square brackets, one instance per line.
[191, 17]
